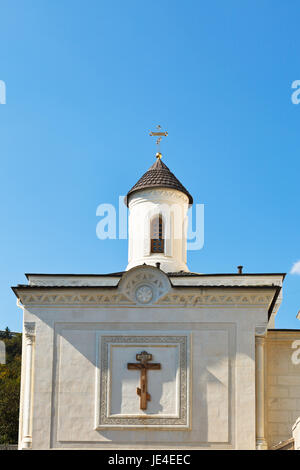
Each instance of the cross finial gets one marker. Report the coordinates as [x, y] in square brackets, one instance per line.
[159, 133]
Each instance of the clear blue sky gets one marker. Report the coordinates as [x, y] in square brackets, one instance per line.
[85, 83]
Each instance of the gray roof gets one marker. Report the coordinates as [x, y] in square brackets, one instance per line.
[159, 176]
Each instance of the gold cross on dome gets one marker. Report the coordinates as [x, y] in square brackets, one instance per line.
[159, 133]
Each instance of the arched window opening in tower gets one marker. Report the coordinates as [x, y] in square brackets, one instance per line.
[157, 235]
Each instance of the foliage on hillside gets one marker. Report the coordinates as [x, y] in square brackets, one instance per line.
[10, 374]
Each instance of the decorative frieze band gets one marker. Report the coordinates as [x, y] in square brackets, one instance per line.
[74, 299]
[215, 299]
[170, 299]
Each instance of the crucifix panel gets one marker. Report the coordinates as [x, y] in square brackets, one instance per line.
[143, 381]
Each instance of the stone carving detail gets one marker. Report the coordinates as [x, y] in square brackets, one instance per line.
[29, 331]
[145, 284]
[146, 420]
[173, 298]
[261, 330]
[144, 294]
[196, 299]
[68, 298]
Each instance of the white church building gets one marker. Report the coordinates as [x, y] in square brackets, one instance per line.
[156, 356]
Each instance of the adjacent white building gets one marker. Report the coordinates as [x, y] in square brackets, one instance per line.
[155, 357]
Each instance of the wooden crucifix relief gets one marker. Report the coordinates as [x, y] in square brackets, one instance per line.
[143, 365]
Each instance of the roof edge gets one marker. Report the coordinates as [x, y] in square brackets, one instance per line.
[150, 186]
[177, 274]
[120, 274]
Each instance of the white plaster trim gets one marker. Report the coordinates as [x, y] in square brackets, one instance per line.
[156, 195]
[73, 281]
[226, 281]
[261, 443]
[29, 334]
[201, 280]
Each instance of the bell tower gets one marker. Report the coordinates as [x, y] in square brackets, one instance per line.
[158, 205]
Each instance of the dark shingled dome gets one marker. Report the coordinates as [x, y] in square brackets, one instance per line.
[158, 176]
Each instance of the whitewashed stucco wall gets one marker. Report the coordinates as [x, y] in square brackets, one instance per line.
[223, 375]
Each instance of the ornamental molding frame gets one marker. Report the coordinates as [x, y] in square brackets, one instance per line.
[195, 299]
[98, 298]
[159, 194]
[103, 419]
[175, 298]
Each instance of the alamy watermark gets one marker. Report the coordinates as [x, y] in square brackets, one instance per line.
[2, 92]
[113, 224]
[295, 97]
[296, 354]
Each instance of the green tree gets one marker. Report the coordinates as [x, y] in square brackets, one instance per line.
[10, 377]
[5, 334]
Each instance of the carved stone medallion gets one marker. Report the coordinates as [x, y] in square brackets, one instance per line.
[144, 294]
[144, 285]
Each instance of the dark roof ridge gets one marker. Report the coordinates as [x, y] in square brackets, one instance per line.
[158, 176]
